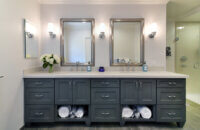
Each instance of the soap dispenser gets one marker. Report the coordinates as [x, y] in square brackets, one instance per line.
[144, 67]
[89, 68]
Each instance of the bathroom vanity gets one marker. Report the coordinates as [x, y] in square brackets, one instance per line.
[104, 94]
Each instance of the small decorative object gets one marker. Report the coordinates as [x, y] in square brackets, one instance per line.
[101, 69]
[145, 67]
[89, 68]
[49, 60]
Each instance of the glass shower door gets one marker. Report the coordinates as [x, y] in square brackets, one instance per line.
[187, 59]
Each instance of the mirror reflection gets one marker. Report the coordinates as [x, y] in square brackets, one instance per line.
[31, 40]
[77, 42]
[127, 42]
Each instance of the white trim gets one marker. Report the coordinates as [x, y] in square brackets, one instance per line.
[85, 2]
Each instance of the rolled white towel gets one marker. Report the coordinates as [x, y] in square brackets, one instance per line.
[127, 112]
[64, 111]
[80, 112]
[145, 112]
[72, 112]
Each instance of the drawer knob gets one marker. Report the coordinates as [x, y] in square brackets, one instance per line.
[39, 95]
[38, 83]
[171, 96]
[39, 114]
[105, 113]
[105, 96]
[170, 83]
[171, 114]
[174, 83]
[106, 83]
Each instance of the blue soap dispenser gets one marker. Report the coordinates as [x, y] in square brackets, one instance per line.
[144, 67]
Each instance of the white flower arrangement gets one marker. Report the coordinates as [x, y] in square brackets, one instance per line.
[49, 60]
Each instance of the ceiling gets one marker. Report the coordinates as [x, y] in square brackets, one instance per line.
[103, 1]
[183, 10]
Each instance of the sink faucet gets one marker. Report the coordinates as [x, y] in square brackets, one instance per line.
[77, 64]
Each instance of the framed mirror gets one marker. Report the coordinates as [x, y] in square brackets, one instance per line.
[30, 40]
[77, 41]
[127, 42]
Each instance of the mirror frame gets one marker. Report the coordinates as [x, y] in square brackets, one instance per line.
[92, 20]
[141, 20]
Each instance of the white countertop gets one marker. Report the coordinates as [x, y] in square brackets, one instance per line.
[108, 74]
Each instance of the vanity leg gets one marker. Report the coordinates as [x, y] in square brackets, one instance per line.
[122, 123]
[27, 124]
[180, 124]
[88, 123]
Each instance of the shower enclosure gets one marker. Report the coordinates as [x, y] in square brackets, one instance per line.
[187, 56]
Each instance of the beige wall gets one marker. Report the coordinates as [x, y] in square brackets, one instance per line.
[170, 60]
[12, 60]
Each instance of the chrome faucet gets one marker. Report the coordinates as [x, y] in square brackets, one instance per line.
[77, 64]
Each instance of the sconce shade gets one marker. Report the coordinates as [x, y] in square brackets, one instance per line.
[51, 30]
[153, 29]
[102, 29]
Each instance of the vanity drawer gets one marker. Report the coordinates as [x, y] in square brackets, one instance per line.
[105, 83]
[39, 113]
[171, 96]
[105, 113]
[171, 113]
[39, 96]
[171, 83]
[105, 95]
[39, 83]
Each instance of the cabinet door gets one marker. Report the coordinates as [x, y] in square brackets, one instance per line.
[63, 91]
[81, 91]
[147, 92]
[129, 91]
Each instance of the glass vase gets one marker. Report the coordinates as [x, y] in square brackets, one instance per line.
[50, 69]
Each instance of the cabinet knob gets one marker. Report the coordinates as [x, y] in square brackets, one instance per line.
[140, 84]
[171, 113]
[39, 95]
[39, 114]
[170, 83]
[174, 83]
[171, 96]
[105, 96]
[38, 83]
[1, 77]
[107, 113]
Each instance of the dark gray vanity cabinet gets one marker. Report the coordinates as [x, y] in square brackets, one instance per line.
[104, 98]
[68, 91]
[138, 91]
[81, 91]
[39, 100]
[171, 101]
[63, 91]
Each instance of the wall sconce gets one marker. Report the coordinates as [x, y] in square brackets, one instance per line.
[153, 30]
[29, 30]
[102, 29]
[51, 30]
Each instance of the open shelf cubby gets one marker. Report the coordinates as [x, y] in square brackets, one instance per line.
[134, 119]
[85, 117]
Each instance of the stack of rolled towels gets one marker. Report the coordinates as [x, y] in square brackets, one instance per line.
[136, 112]
[71, 112]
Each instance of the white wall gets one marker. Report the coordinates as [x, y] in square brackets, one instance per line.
[154, 48]
[12, 60]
